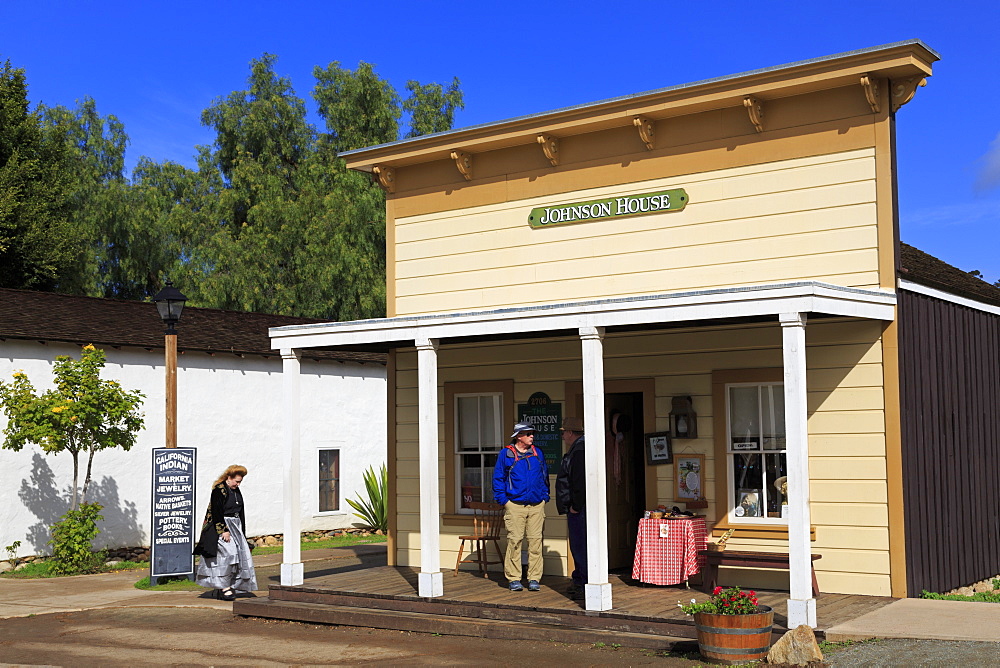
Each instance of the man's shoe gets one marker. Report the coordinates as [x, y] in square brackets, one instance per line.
[534, 586]
[515, 585]
[575, 592]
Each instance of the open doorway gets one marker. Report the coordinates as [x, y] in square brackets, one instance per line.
[634, 398]
[623, 444]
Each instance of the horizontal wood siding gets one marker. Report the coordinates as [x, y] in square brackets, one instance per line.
[949, 395]
[805, 218]
[846, 430]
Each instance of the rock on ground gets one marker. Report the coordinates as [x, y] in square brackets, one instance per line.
[798, 647]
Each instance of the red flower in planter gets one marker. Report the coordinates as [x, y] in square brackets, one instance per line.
[731, 601]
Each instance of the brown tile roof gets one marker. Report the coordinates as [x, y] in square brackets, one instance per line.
[919, 267]
[46, 316]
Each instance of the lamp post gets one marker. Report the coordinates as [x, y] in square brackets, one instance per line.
[170, 302]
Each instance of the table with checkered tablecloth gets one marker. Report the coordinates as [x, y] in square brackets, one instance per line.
[670, 555]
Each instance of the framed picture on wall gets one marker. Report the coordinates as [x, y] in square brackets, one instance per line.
[749, 503]
[689, 471]
[658, 448]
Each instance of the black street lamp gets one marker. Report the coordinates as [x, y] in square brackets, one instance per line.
[170, 302]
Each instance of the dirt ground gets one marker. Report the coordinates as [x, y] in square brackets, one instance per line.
[164, 636]
[201, 637]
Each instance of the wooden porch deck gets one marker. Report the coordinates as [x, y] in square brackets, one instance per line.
[386, 597]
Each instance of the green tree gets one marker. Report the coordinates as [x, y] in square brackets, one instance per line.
[113, 242]
[432, 107]
[271, 220]
[82, 414]
[38, 245]
[360, 109]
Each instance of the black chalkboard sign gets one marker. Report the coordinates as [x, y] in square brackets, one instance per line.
[173, 534]
[546, 417]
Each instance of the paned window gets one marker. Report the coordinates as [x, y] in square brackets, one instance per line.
[329, 480]
[478, 439]
[755, 449]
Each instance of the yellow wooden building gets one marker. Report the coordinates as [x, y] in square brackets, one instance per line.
[723, 254]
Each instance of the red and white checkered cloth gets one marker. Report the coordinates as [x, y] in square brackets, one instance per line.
[671, 559]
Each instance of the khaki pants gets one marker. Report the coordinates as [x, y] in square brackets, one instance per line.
[520, 521]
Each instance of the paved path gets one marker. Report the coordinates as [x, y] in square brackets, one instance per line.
[925, 619]
[20, 598]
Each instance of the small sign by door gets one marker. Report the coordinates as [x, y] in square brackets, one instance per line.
[546, 417]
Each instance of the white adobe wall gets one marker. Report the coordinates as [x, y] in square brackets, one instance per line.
[229, 408]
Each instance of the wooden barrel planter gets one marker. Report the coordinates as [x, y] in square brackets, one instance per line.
[734, 639]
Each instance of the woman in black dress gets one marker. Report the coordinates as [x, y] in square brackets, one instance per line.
[226, 563]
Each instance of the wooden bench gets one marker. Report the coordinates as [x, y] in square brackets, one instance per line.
[750, 560]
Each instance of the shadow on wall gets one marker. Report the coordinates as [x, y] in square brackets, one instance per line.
[40, 495]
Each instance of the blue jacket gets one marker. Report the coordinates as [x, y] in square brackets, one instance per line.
[523, 478]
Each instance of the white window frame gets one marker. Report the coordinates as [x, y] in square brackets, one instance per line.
[482, 450]
[730, 469]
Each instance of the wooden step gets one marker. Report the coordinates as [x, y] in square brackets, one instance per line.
[450, 624]
[509, 612]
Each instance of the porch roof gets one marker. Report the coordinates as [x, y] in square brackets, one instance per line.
[733, 303]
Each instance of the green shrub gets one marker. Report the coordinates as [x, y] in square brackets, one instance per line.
[979, 597]
[72, 551]
[373, 511]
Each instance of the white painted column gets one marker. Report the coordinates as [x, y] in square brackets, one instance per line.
[291, 461]
[801, 604]
[430, 580]
[597, 591]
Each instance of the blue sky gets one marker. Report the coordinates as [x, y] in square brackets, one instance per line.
[156, 65]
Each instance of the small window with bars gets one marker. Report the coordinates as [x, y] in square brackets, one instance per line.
[329, 480]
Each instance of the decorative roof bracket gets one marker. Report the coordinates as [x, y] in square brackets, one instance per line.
[755, 108]
[870, 85]
[464, 163]
[645, 127]
[385, 176]
[550, 147]
[902, 91]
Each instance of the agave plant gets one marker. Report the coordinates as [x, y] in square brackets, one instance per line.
[373, 510]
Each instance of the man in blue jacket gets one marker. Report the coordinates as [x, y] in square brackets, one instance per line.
[521, 486]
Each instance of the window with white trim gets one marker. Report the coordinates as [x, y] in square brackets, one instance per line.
[478, 439]
[329, 480]
[755, 449]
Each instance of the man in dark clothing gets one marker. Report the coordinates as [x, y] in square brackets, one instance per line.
[571, 500]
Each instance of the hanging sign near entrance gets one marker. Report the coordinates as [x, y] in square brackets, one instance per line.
[664, 201]
[173, 533]
[546, 418]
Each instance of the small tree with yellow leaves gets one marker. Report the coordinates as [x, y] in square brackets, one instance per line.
[81, 414]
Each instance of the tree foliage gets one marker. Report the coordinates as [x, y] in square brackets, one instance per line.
[269, 220]
[38, 246]
[432, 107]
[92, 165]
[81, 415]
[359, 108]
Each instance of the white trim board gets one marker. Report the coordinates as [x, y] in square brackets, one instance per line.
[734, 302]
[947, 296]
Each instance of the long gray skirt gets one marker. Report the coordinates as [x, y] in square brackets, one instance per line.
[232, 565]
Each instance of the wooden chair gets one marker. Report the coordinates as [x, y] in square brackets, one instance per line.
[487, 520]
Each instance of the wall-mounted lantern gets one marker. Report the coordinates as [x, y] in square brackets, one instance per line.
[683, 420]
